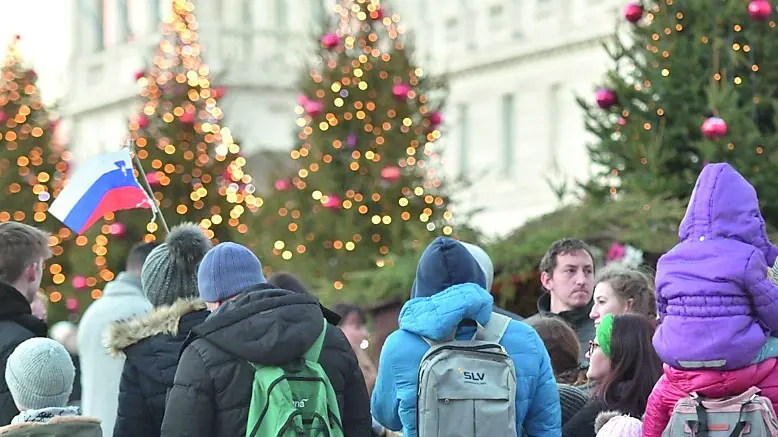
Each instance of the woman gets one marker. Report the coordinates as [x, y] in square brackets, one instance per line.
[625, 368]
[621, 290]
[561, 342]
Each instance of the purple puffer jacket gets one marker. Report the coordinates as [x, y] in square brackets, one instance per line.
[715, 302]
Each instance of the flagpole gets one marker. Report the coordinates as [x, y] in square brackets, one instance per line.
[131, 145]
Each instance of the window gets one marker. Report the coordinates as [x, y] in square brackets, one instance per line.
[317, 12]
[124, 20]
[464, 134]
[452, 30]
[545, 8]
[508, 133]
[96, 14]
[496, 18]
[554, 115]
[109, 12]
[281, 15]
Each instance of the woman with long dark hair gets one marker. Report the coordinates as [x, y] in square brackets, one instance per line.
[625, 368]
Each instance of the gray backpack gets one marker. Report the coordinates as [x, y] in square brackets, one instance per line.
[747, 414]
[468, 388]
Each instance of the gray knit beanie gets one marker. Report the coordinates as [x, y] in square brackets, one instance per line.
[40, 374]
[170, 271]
[483, 260]
[228, 270]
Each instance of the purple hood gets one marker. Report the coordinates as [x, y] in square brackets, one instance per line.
[724, 205]
[712, 287]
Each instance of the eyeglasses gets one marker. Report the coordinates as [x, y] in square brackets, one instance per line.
[593, 347]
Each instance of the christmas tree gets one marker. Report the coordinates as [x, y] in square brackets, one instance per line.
[693, 85]
[192, 164]
[367, 186]
[32, 166]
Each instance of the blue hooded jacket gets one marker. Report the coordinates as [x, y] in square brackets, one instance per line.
[449, 289]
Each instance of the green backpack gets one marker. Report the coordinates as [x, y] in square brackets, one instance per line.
[299, 404]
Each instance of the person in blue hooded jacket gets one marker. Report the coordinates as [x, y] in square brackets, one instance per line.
[449, 290]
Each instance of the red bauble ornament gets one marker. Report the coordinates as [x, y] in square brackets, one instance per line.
[313, 108]
[633, 12]
[219, 92]
[378, 14]
[79, 282]
[760, 10]
[605, 98]
[140, 74]
[118, 229]
[71, 304]
[714, 128]
[330, 40]
[282, 184]
[436, 119]
[152, 178]
[143, 121]
[188, 118]
[332, 202]
[400, 91]
[390, 173]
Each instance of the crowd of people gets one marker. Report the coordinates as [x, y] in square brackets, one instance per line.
[193, 340]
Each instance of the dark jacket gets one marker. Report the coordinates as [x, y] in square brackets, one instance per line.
[17, 324]
[212, 390]
[152, 344]
[578, 319]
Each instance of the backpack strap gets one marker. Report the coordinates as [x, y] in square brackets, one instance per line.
[313, 353]
[495, 329]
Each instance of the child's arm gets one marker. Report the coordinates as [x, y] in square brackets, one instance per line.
[764, 292]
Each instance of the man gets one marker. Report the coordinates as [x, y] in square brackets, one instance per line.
[23, 250]
[567, 275]
[253, 321]
[447, 296]
[487, 266]
[100, 373]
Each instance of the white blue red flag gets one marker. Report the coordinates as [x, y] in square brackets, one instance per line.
[104, 184]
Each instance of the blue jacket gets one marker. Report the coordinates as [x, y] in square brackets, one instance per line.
[442, 299]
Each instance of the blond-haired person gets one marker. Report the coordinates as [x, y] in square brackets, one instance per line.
[23, 250]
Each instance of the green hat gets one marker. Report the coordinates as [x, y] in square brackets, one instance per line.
[604, 334]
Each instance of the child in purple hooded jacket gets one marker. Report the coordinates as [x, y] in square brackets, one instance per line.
[716, 301]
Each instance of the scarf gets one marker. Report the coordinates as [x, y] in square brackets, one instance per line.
[45, 414]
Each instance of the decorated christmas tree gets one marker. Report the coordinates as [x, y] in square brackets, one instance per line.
[694, 84]
[191, 162]
[32, 165]
[368, 186]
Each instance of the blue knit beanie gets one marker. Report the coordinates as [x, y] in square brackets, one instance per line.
[228, 270]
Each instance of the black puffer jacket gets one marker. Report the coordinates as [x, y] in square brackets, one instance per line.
[212, 390]
[152, 344]
[17, 324]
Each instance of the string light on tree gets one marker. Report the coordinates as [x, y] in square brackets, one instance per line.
[33, 163]
[367, 182]
[192, 163]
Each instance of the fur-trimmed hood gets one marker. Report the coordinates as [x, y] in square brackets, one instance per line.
[74, 426]
[162, 320]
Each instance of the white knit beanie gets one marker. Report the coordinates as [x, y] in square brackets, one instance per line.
[483, 260]
[40, 374]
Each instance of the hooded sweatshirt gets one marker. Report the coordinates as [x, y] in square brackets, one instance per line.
[448, 290]
[211, 393]
[713, 286]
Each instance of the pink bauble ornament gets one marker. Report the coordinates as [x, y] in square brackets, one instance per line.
[605, 98]
[330, 40]
[332, 202]
[313, 108]
[118, 229]
[71, 304]
[219, 92]
[79, 282]
[760, 10]
[188, 118]
[152, 178]
[400, 91]
[436, 119]
[714, 128]
[622, 121]
[2, 116]
[282, 184]
[390, 173]
[633, 12]
[143, 121]
[302, 99]
[378, 14]
[140, 74]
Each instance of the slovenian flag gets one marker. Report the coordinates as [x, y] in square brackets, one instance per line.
[104, 184]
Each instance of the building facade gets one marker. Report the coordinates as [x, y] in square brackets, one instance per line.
[512, 126]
